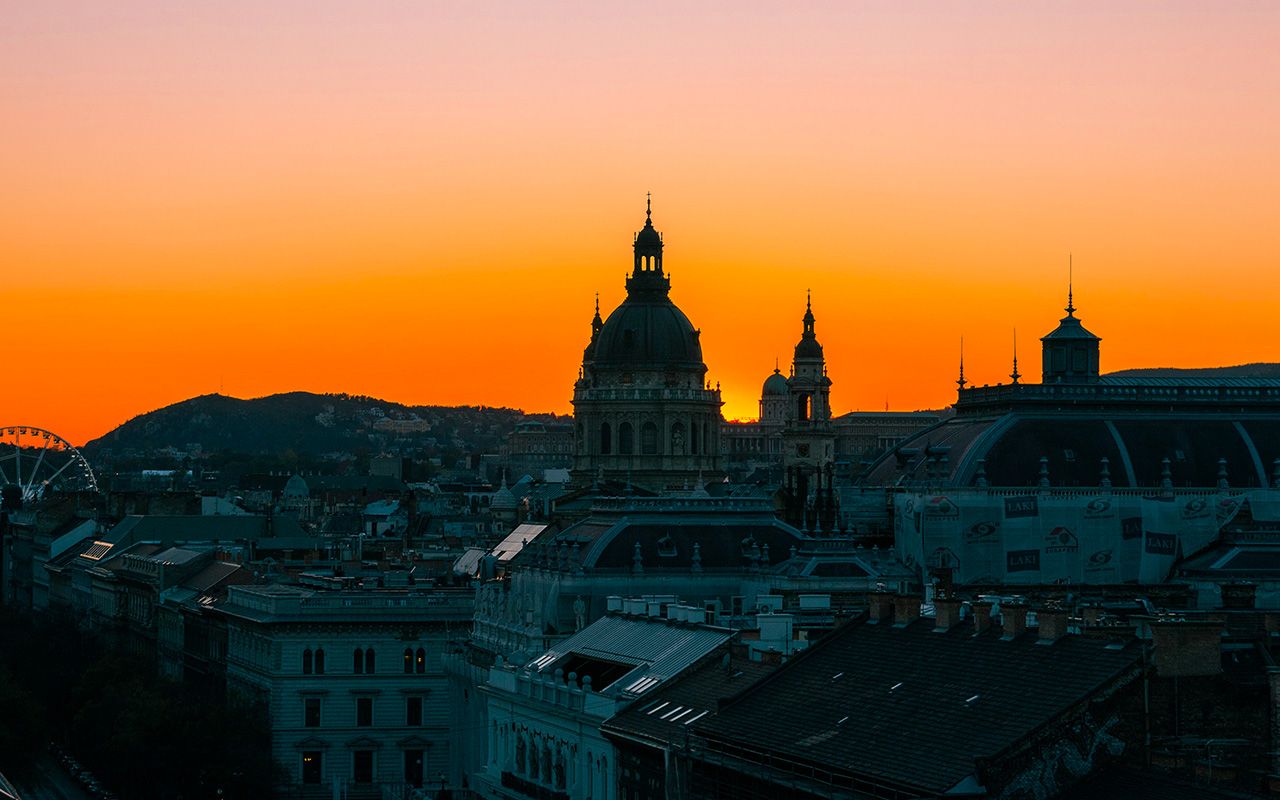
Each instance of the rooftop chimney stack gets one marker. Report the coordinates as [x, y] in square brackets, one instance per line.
[1052, 621]
[947, 613]
[981, 615]
[1185, 648]
[1013, 617]
[906, 610]
[881, 606]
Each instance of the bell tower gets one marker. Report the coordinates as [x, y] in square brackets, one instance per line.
[808, 438]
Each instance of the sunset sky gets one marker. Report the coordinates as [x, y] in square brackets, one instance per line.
[419, 200]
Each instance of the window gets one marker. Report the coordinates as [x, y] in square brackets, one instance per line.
[625, 445]
[362, 766]
[357, 661]
[693, 440]
[369, 661]
[408, 661]
[311, 766]
[413, 768]
[306, 661]
[649, 439]
[413, 712]
[311, 712]
[364, 712]
[605, 438]
[319, 662]
[420, 666]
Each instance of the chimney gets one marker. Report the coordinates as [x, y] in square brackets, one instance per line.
[1238, 596]
[1092, 615]
[1013, 617]
[981, 615]
[1185, 648]
[881, 606]
[906, 610]
[947, 613]
[1052, 621]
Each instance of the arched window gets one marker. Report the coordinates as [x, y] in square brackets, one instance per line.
[803, 405]
[319, 662]
[369, 661]
[625, 444]
[421, 664]
[408, 661]
[357, 661]
[306, 661]
[605, 439]
[649, 439]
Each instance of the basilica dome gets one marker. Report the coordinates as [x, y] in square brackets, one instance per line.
[775, 384]
[648, 333]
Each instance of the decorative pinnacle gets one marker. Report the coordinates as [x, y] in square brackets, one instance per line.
[1070, 304]
[961, 381]
[808, 299]
[1015, 374]
[648, 207]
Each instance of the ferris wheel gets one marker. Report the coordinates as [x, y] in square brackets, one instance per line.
[38, 461]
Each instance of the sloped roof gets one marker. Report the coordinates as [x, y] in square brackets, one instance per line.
[913, 708]
[658, 648]
[687, 700]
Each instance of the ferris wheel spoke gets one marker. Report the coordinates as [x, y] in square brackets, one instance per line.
[35, 471]
[59, 472]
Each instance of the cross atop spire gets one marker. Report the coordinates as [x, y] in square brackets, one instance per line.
[648, 207]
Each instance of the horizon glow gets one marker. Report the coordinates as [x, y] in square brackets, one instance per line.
[419, 201]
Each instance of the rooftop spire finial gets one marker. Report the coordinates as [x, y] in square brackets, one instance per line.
[597, 302]
[1015, 374]
[776, 369]
[808, 299]
[961, 381]
[1070, 304]
[648, 207]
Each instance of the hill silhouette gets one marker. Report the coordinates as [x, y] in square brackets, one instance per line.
[1257, 370]
[302, 422]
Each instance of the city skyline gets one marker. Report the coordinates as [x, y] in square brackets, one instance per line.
[421, 205]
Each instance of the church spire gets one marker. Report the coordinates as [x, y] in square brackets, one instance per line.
[596, 322]
[961, 381]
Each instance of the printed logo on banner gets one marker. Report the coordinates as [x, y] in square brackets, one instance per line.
[1024, 506]
[941, 508]
[944, 557]
[1161, 544]
[1099, 508]
[1099, 561]
[1131, 528]
[982, 532]
[1022, 561]
[1061, 540]
[1226, 508]
[1196, 508]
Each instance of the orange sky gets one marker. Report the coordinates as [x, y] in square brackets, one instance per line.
[418, 201]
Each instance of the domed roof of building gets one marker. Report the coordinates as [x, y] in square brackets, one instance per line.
[775, 384]
[648, 332]
[503, 499]
[1069, 327]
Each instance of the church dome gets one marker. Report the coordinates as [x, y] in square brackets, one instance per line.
[648, 333]
[775, 384]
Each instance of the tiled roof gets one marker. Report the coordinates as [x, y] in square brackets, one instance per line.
[911, 707]
[687, 700]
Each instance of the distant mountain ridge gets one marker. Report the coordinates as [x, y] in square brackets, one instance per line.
[303, 422]
[1257, 370]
